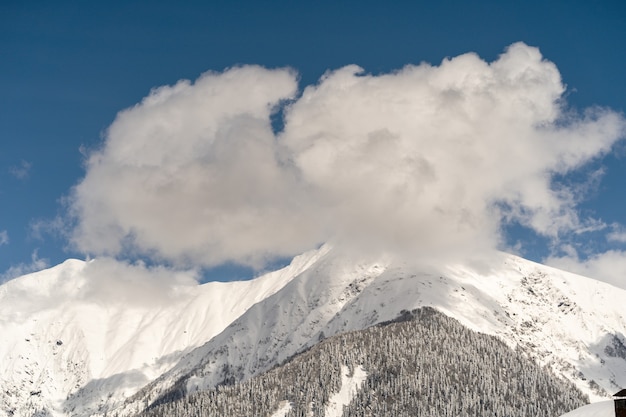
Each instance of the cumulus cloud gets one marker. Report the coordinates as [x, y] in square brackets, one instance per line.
[193, 174]
[609, 266]
[431, 158]
[109, 281]
[104, 281]
[440, 156]
[4, 237]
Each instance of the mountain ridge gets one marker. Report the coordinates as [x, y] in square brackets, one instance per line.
[423, 363]
[569, 323]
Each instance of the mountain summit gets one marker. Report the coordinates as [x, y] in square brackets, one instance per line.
[78, 342]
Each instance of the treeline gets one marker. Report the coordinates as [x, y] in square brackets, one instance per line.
[424, 364]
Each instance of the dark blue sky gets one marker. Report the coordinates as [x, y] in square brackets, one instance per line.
[67, 68]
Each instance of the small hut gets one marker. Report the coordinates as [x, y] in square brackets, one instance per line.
[620, 403]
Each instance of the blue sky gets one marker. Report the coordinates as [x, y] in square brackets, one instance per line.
[68, 68]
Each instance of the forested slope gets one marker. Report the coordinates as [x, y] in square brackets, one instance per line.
[422, 364]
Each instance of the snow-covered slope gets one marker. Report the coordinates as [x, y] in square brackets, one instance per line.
[66, 349]
[599, 409]
[571, 323]
[350, 384]
[202, 335]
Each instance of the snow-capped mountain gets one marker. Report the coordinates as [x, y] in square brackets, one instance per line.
[70, 345]
[66, 351]
[424, 363]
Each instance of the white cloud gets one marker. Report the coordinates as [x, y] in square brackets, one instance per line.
[4, 237]
[21, 171]
[104, 281]
[618, 234]
[431, 158]
[609, 266]
[36, 264]
[442, 154]
[193, 175]
[109, 281]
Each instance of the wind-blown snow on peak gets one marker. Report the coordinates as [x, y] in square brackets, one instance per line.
[572, 324]
[222, 332]
[38, 291]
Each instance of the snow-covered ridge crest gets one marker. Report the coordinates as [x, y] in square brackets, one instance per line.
[572, 324]
[201, 335]
[77, 337]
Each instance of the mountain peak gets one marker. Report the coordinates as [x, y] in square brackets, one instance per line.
[122, 335]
